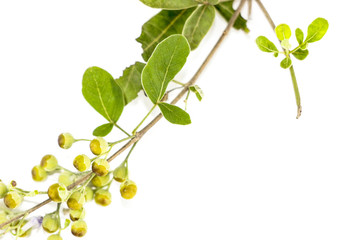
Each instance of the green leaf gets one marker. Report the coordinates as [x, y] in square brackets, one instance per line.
[301, 54]
[130, 81]
[212, 2]
[167, 60]
[198, 92]
[299, 35]
[285, 44]
[161, 26]
[102, 93]
[226, 10]
[66, 224]
[286, 63]
[276, 54]
[103, 130]
[198, 24]
[304, 46]
[317, 30]
[283, 32]
[170, 4]
[266, 45]
[174, 114]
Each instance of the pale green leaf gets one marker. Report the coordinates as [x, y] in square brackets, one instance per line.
[102, 93]
[166, 61]
[301, 54]
[317, 30]
[304, 46]
[170, 4]
[174, 114]
[283, 32]
[198, 92]
[226, 10]
[286, 63]
[103, 130]
[212, 2]
[285, 44]
[130, 81]
[198, 24]
[299, 35]
[161, 26]
[266, 45]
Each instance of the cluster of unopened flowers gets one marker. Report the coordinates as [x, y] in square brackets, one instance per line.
[95, 188]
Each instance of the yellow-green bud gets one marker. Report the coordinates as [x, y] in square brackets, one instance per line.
[58, 192]
[3, 189]
[65, 140]
[89, 194]
[49, 163]
[66, 178]
[103, 197]
[100, 167]
[13, 200]
[76, 201]
[98, 146]
[98, 181]
[76, 215]
[51, 223]
[120, 174]
[54, 237]
[38, 174]
[82, 162]
[79, 228]
[128, 189]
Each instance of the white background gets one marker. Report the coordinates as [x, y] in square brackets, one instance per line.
[244, 169]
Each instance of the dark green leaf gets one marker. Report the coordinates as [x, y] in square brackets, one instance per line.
[299, 35]
[161, 26]
[286, 63]
[301, 54]
[102, 93]
[170, 4]
[226, 10]
[174, 114]
[198, 92]
[266, 45]
[317, 30]
[166, 61]
[198, 24]
[130, 81]
[283, 32]
[103, 130]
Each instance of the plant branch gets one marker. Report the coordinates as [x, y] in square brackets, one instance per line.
[142, 132]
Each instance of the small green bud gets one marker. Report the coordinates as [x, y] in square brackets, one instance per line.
[54, 237]
[79, 228]
[120, 174]
[98, 146]
[76, 200]
[65, 140]
[51, 223]
[98, 181]
[103, 197]
[58, 192]
[66, 178]
[3, 189]
[82, 162]
[128, 189]
[13, 200]
[49, 163]
[38, 174]
[100, 167]
[76, 215]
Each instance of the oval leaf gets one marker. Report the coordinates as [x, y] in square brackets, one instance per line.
[161, 26]
[283, 32]
[103, 130]
[102, 93]
[301, 54]
[167, 60]
[170, 4]
[198, 92]
[198, 24]
[317, 30]
[226, 10]
[130, 81]
[266, 45]
[174, 114]
[286, 63]
[299, 35]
